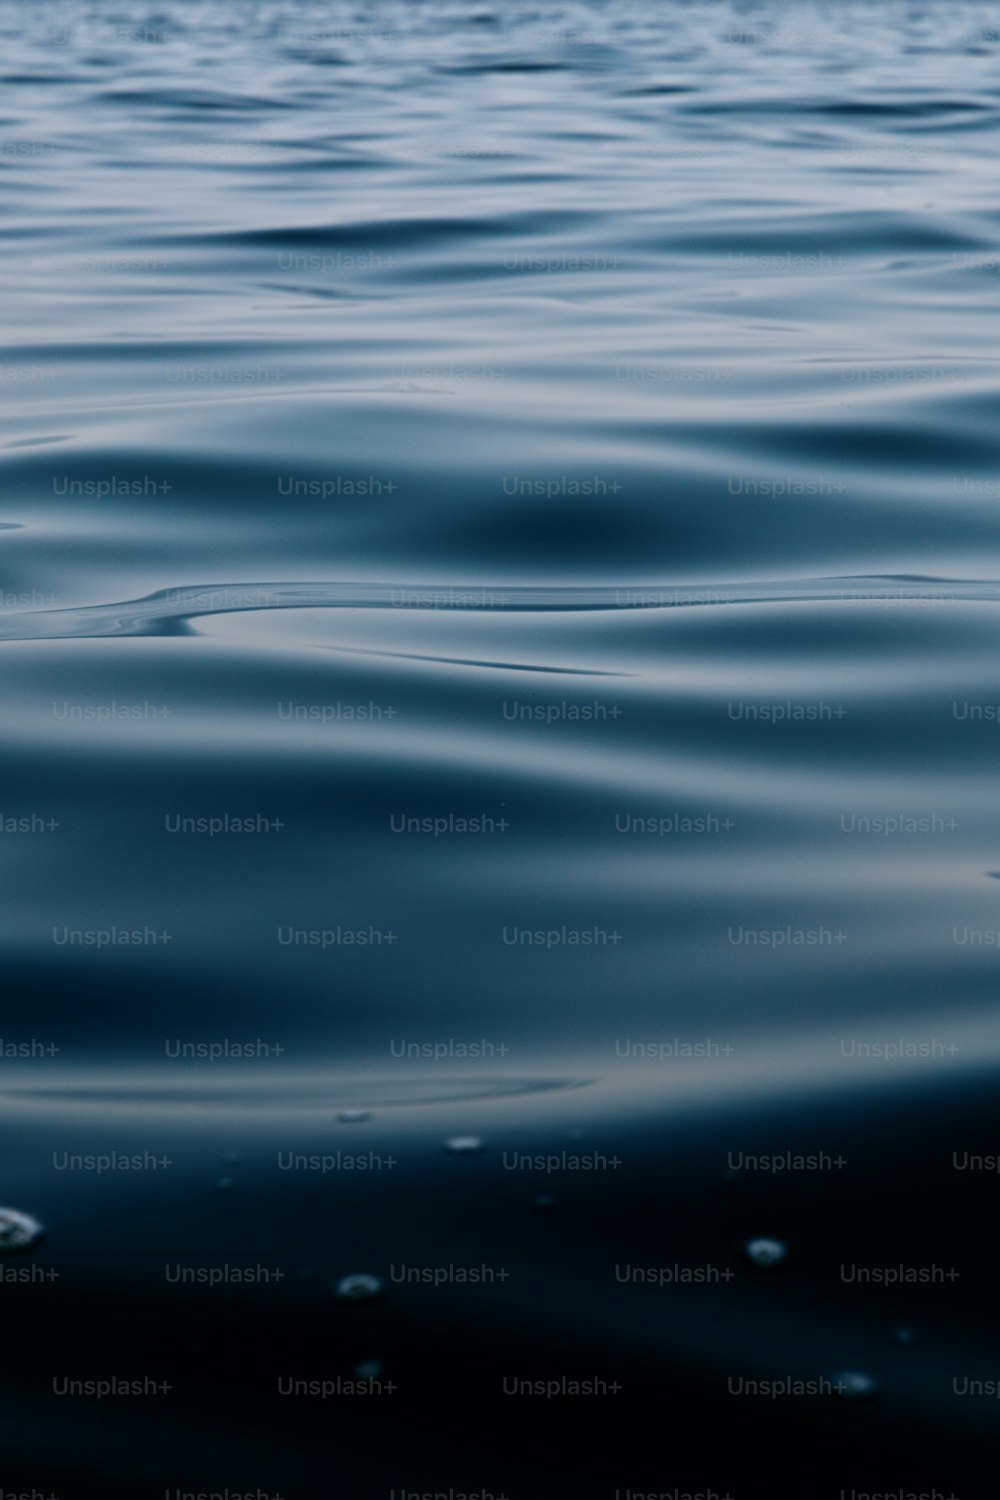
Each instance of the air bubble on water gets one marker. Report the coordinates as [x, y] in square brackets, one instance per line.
[17, 1230]
[765, 1252]
[368, 1369]
[903, 1335]
[853, 1386]
[360, 1288]
[353, 1116]
[464, 1145]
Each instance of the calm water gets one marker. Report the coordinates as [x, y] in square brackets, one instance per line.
[500, 613]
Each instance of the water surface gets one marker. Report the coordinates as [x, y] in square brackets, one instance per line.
[499, 613]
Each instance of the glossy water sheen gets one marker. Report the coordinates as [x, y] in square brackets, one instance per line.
[582, 419]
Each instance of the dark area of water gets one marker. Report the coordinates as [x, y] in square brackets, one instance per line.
[499, 605]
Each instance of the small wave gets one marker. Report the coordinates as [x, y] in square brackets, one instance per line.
[153, 614]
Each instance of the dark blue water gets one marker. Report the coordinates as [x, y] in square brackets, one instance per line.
[500, 605]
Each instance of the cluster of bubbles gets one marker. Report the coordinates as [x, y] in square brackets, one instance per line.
[851, 1385]
[19, 1230]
